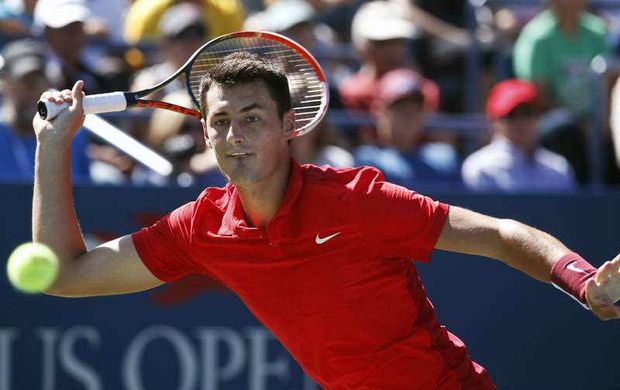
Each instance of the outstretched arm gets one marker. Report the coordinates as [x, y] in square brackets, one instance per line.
[529, 250]
[112, 268]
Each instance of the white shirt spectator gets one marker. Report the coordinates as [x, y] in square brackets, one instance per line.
[502, 167]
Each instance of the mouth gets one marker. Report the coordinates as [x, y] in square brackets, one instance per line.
[238, 154]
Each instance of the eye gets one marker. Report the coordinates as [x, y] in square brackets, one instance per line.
[221, 122]
[252, 119]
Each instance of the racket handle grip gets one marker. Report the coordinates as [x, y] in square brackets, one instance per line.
[93, 104]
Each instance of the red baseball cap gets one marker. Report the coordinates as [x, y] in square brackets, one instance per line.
[505, 96]
[404, 82]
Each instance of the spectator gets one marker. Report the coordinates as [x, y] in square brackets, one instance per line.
[442, 44]
[402, 154]
[108, 20]
[23, 81]
[322, 146]
[180, 139]
[15, 19]
[513, 161]
[222, 16]
[181, 33]
[554, 51]
[296, 19]
[62, 22]
[380, 35]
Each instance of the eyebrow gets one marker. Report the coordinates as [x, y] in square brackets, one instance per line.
[244, 109]
[251, 107]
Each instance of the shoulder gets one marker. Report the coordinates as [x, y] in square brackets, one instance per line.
[484, 157]
[335, 156]
[347, 178]
[215, 198]
[540, 27]
[553, 161]
[594, 24]
[203, 213]
[355, 83]
[439, 155]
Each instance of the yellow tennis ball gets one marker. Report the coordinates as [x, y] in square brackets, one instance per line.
[32, 267]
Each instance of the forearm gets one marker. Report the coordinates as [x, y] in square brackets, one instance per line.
[536, 254]
[54, 221]
[528, 249]
[520, 246]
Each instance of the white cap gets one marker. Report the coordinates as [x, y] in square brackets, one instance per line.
[60, 13]
[282, 15]
[380, 21]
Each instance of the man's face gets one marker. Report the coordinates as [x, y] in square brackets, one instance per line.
[402, 122]
[67, 42]
[573, 6]
[178, 49]
[387, 55]
[24, 92]
[243, 127]
[520, 126]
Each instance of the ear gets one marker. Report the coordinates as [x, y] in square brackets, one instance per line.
[204, 131]
[288, 122]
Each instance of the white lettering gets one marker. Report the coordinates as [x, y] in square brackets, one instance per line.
[7, 336]
[188, 366]
[260, 367]
[48, 378]
[72, 365]
[212, 373]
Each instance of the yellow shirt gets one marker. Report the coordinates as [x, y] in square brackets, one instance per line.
[221, 17]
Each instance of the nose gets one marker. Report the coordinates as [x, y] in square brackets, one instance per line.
[235, 133]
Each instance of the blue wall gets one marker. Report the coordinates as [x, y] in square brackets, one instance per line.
[194, 335]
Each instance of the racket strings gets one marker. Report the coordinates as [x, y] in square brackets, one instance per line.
[307, 90]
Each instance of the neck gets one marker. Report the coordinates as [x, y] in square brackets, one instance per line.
[262, 200]
[373, 71]
[567, 20]
[526, 148]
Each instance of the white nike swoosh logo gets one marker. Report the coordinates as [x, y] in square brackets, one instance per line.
[575, 269]
[323, 240]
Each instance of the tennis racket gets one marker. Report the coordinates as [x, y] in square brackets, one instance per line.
[308, 88]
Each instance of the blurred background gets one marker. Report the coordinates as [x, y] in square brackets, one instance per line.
[510, 107]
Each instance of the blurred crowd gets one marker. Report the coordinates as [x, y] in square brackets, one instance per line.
[403, 94]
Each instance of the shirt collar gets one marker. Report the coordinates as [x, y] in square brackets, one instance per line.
[233, 221]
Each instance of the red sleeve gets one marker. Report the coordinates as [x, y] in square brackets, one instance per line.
[164, 246]
[397, 221]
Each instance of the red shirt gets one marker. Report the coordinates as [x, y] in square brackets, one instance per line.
[331, 276]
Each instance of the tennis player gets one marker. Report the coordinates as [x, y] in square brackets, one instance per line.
[321, 256]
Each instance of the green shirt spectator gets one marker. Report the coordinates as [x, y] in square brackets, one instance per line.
[559, 62]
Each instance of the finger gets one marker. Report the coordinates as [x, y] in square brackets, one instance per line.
[67, 96]
[594, 294]
[615, 265]
[47, 94]
[77, 94]
[603, 271]
[606, 312]
[55, 97]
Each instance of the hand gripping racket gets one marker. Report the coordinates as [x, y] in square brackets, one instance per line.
[309, 92]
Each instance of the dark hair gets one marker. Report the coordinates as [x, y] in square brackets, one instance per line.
[244, 67]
